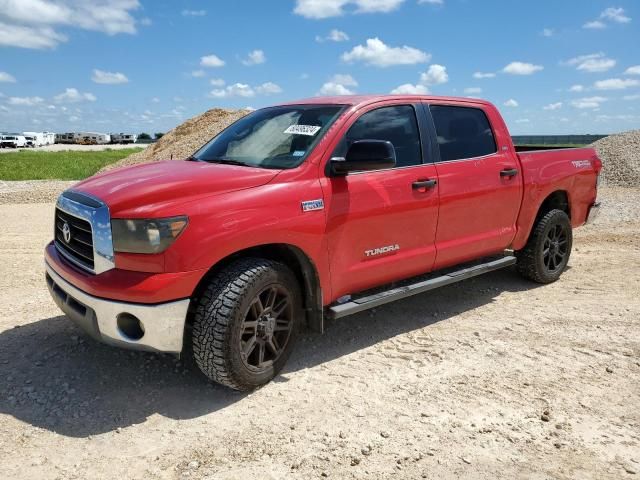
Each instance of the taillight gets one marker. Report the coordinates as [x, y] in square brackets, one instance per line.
[597, 166]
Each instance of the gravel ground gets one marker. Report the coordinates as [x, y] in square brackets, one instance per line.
[492, 378]
[59, 147]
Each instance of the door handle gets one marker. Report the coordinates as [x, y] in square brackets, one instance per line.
[509, 172]
[424, 184]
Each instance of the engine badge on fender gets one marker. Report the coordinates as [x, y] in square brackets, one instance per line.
[311, 205]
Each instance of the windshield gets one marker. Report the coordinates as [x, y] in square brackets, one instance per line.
[275, 137]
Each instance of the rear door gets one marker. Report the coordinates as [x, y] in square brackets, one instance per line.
[480, 184]
[381, 224]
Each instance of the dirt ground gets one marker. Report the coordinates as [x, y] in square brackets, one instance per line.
[493, 378]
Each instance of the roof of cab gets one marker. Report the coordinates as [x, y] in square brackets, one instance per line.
[361, 100]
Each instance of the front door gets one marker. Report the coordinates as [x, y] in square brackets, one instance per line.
[381, 224]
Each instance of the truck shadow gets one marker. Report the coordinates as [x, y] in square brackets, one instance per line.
[54, 377]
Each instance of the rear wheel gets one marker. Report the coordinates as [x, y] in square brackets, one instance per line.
[246, 322]
[547, 252]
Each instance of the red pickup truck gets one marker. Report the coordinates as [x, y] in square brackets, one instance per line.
[317, 208]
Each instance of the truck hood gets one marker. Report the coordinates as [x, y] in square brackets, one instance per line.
[157, 189]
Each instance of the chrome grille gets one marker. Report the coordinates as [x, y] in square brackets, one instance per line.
[80, 244]
[88, 243]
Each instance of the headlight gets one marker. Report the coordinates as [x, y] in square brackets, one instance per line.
[146, 236]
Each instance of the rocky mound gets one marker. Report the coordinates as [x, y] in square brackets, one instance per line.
[620, 156]
[182, 141]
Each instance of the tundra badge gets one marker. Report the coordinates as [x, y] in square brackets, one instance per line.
[311, 205]
[381, 250]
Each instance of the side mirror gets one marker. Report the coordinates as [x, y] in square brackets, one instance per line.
[365, 155]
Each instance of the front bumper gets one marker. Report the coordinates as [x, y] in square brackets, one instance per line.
[594, 211]
[162, 324]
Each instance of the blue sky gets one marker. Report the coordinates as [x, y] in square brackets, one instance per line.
[552, 67]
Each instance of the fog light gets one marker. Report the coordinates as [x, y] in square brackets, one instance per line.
[130, 326]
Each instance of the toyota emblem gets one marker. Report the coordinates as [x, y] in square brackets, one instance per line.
[66, 232]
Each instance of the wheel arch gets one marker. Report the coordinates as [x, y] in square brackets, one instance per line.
[293, 257]
[556, 200]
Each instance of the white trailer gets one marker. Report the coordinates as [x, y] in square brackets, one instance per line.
[13, 140]
[48, 138]
[92, 138]
[124, 138]
[68, 137]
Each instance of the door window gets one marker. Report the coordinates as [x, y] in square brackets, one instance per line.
[396, 124]
[462, 132]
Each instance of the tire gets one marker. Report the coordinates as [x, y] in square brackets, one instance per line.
[547, 252]
[235, 314]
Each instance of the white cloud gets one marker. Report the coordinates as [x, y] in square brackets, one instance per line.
[211, 61]
[319, 9]
[155, 100]
[432, 2]
[378, 54]
[146, 21]
[472, 91]
[235, 90]
[338, 85]
[511, 103]
[615, 15]
[611, 14]
[217, 82]
[109, 78]
[332, 88]
[256, 57]
[346, 80]
[616, 84]
[72, 95]
[194, 13]
[632, 97]
[593, 63]
[244, 90]
[522, 68]
[198, 73]
[410, 89]
[29, 37]
[576, 88]
[435, 75]
[32, 23]
[594, 25]
[7, 78]
[553, 106]
[547, 32]
[523, 120]
[481, 75]
[588, 102]
[334, 35]
[268, 88]
[635, 70]
[25, 101]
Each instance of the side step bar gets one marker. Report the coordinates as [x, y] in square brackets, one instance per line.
[375, 300]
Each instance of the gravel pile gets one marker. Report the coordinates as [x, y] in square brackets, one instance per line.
[185, 139]
[620, 156]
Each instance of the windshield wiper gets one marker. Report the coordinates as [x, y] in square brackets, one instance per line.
[227, 161]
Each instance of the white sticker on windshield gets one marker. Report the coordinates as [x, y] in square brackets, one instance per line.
[309, 130]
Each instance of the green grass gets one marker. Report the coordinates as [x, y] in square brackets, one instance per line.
[66, 165]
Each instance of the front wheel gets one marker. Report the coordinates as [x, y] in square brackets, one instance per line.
[246, 322]
[547, 252]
